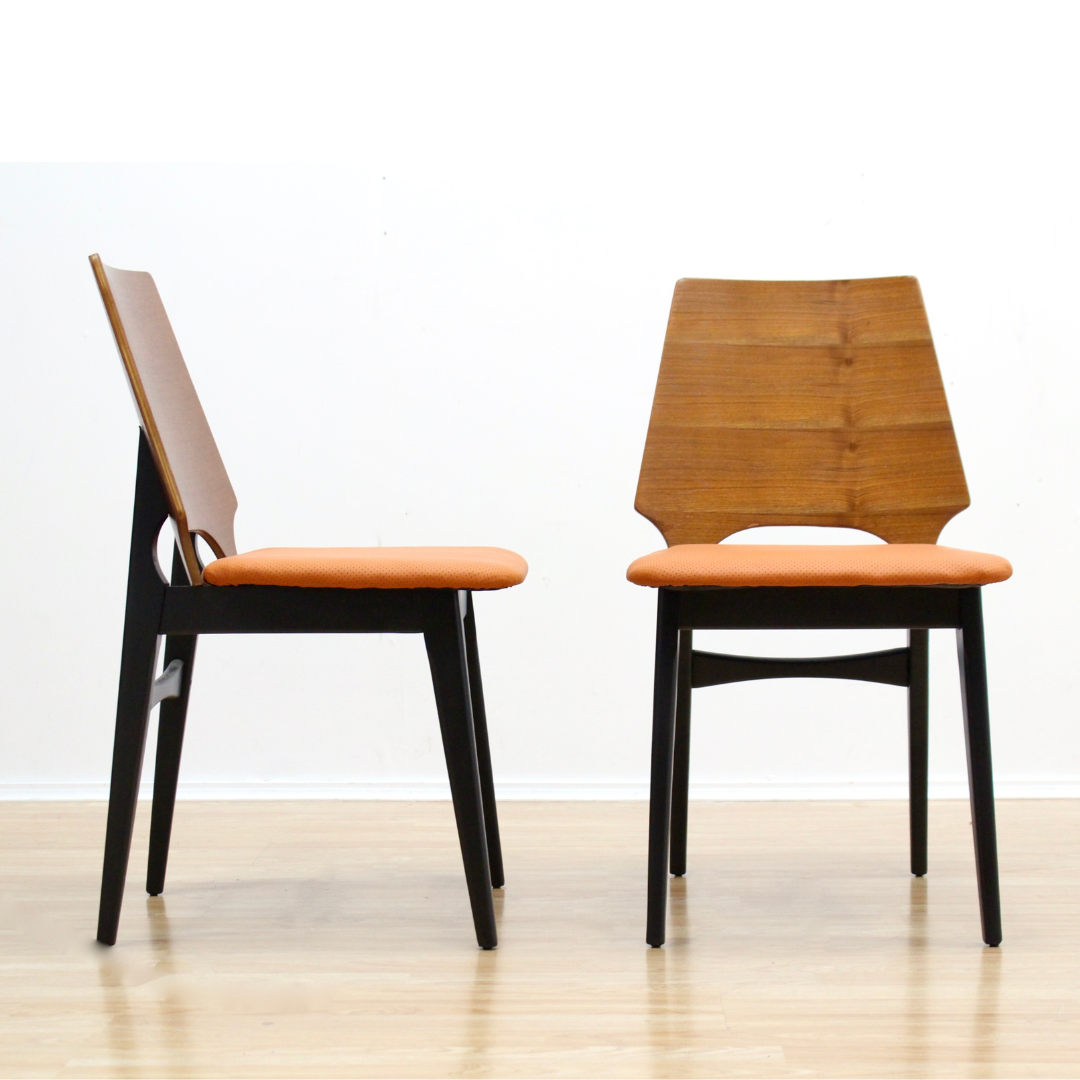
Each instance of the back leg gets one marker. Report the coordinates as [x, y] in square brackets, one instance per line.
[680, 775]
[918, 744]
[132, 714]
[172, 716]
[145, 598]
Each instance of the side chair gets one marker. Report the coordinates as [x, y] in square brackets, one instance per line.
[418, 590]
[807, 403]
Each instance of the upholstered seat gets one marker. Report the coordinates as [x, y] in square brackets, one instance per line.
[738, 565]
[372, 568]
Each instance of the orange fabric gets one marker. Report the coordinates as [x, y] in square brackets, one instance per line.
[817, 564]
[372, 568]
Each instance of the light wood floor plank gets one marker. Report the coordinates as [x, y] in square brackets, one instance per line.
[334, 939]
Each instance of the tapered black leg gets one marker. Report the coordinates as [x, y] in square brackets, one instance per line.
[172, 715]
[483, 749]
[665, 681]
[918, 743]
[171, 719]
[680, 776]
[445, 641]
[972, 652]
[132, 713]
[145, 599]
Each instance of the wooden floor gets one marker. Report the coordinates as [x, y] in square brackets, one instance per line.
[334, 939]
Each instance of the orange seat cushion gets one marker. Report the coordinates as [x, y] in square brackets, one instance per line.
[372, 568]
[737, 565]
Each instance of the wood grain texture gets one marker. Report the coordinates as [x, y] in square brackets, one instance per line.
[201, 498]
[332, 939]
[800, 403]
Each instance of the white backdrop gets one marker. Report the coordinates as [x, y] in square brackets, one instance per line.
[423, 292]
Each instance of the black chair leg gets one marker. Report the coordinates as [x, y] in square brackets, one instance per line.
[680, 777]
[483, 749]
[665, 682]
[172, 716]
[132, 714]
[446, 649]
[972, 652]
[918, 744]
[142, 618]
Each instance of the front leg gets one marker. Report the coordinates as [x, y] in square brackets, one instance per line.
[483, 748]
[972, 653]
[663, 747]
[445, 641]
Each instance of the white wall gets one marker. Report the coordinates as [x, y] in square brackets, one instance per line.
[450, 334]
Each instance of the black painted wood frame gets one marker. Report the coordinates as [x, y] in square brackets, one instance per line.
[680, 668]
[180, 612]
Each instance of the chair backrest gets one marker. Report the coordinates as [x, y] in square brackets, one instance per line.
[193, 477]
[800, 403]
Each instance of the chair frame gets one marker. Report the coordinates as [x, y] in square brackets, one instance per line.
[180, 612]
[680, 669]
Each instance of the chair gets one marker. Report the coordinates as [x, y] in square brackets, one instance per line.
[426, 591]
[807, 403]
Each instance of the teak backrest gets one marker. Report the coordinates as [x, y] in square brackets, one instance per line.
[200, 497]
[800, 403]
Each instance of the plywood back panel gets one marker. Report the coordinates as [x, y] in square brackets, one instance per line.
[201, 499]
[800, 403]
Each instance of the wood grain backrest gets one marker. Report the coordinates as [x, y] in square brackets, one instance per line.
[800, 403]
[200, 497]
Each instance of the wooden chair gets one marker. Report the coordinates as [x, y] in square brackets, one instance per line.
[807, 403]
[180, 476]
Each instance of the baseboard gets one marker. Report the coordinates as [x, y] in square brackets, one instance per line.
[742, 791]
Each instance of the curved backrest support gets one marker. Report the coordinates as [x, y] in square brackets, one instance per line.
[800, 403]
[193, 477]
